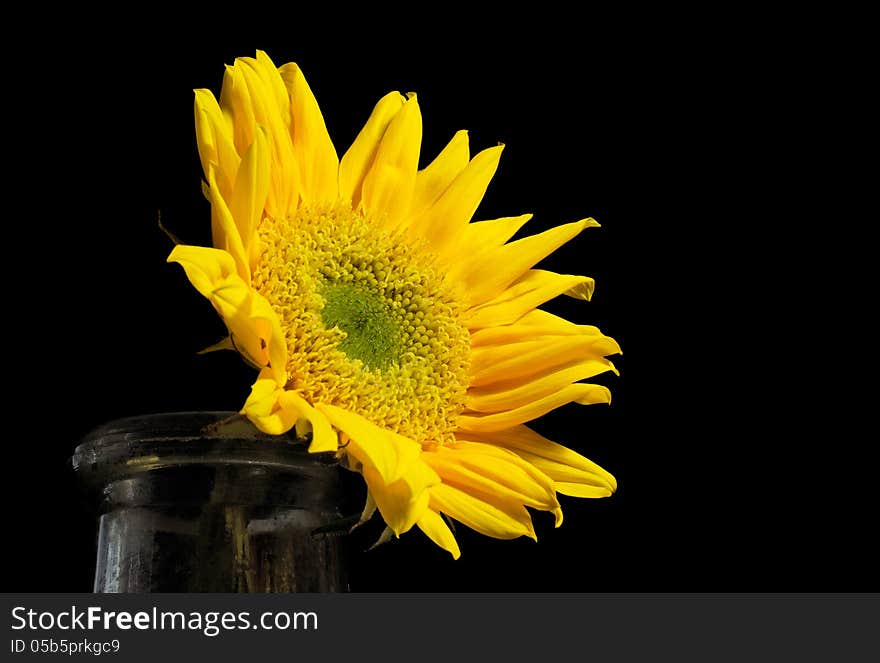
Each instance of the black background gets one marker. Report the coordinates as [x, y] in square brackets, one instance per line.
[717, 490]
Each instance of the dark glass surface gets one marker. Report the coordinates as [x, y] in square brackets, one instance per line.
[204, 502]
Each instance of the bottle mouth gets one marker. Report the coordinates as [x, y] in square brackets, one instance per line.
[126, 448]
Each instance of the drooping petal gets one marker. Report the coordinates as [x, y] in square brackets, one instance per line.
[390, 454]
[560, 463]
[324, 438]
[388, 185]
[492, 474]
[481, 516]
[316, 158]
[253, 325]
[263, 409]
[433, 525]
[275, 410]
[403, 502]
[206, 268]
[357, 160]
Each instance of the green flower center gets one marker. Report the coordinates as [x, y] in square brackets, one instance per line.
[371, 332]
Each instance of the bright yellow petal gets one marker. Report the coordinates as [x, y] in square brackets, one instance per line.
[533, 325]
[433, 525]
[557, 461]
[315, 154]
[574, 489]
[495, 232]
[482, 238]
[496, 270]
[249, 196]
[263, 410]
[271, 109]
[493, 474]
[275, 410]
[271, 78]
[226, 234]
[584, 394]
[390, 454]
[528, 292]
[235, 99]
[510, 394]
[206, 268]
[481, 516]
[324, 438]
[357, 160]
[388, 185]
[215, 141]
[498, 363]
[399, 503]
[433, 180]
[253, 324]
[444, 222]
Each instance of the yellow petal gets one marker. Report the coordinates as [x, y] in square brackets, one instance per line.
[531, 326]
[274, 83]
[253, 324]
[235, 99]
[481, 516]
[275, 410]
[226, 234]
[433, 180]
[496, 270]
[356, 162]
[498, 363]
[316, 157]
[390, 454]
[494, 475]
[584, 394]
[206, 268]
[401, 507]
[324, 438]
[557, 461]
[528, 292]
[215, 141]
[582, 490]
[223, 344]
[388, 185]
[510, 394]
[249, 197]
[444, 222]
[495, 232]
[263, 410]
[481, 238]
[433, 525]
[271, 110]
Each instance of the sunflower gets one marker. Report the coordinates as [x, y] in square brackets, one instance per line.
[387, 327]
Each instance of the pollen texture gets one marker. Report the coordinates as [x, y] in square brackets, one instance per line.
[370, 324]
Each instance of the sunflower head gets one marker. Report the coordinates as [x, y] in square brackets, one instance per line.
[385, 324]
